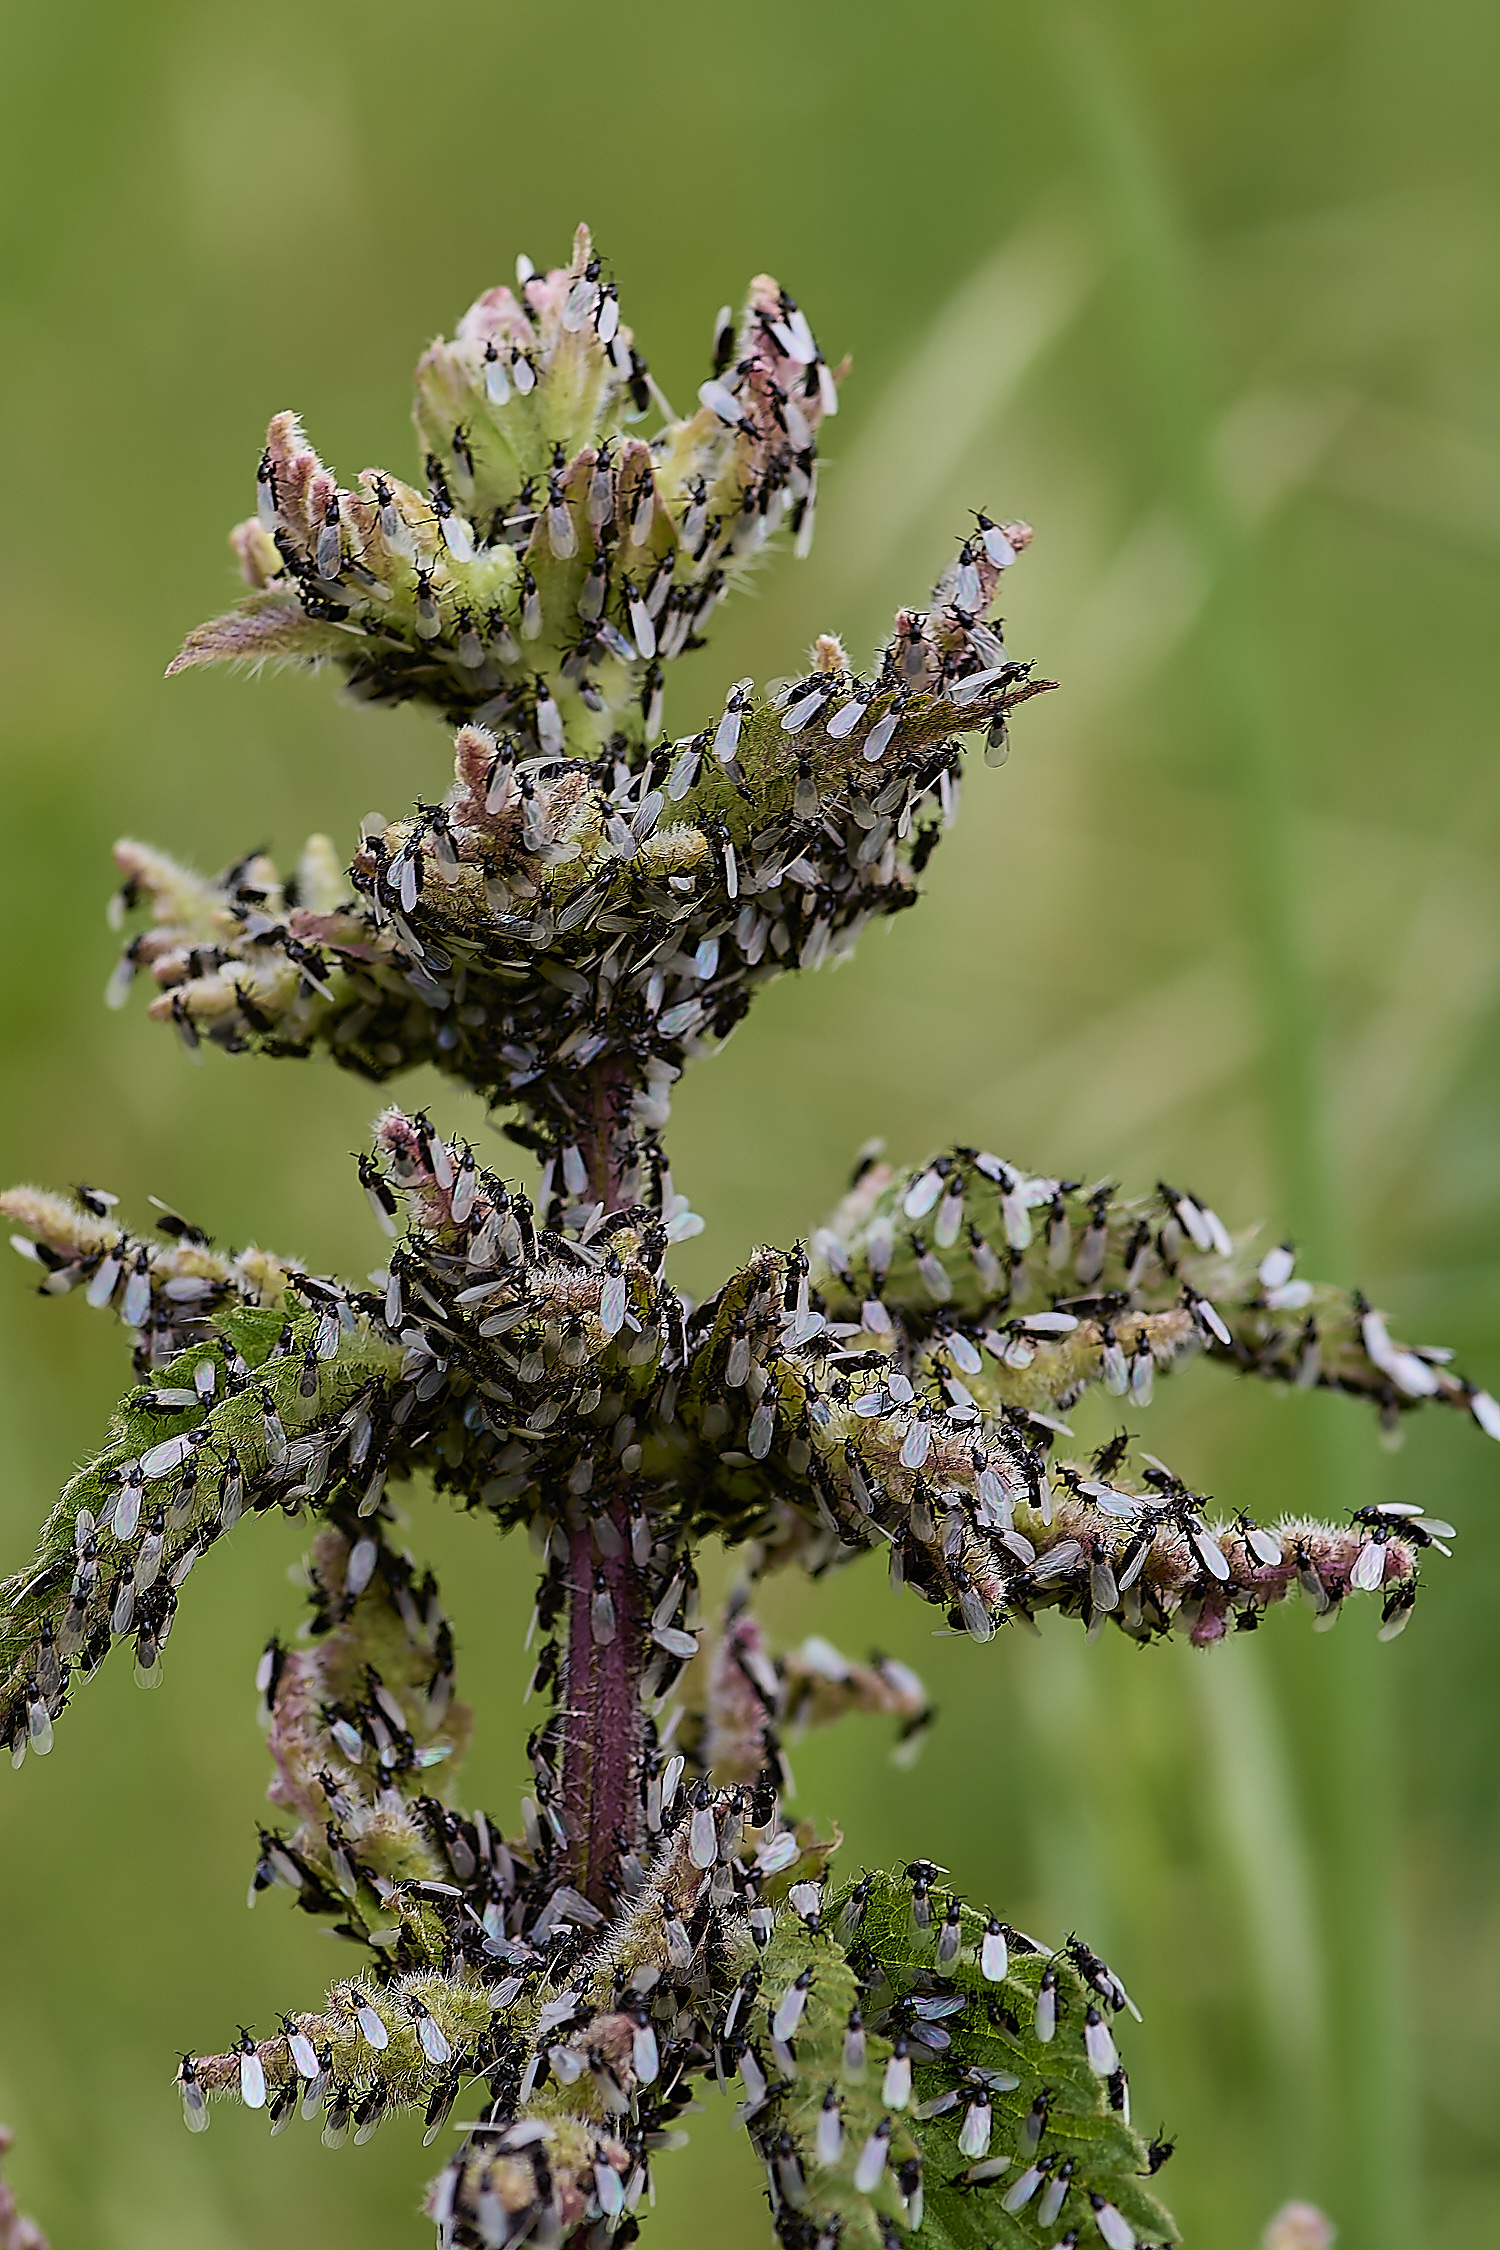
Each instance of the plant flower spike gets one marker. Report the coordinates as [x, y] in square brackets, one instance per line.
[588, 909]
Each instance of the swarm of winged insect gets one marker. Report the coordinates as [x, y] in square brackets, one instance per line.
[587, 909]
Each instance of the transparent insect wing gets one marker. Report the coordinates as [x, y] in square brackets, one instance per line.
[612, 1304]
[880, 737]
[974, 2133]
[704, 1848]
[1369, 1566]
[371, 2026]
[895, 2088]
[923, 1194]
[870, 2167]
[1052, 2198]
[1023, 2188]
[644, 2055]
[1486, 1412]
[789, 2010]
[1211, 1554]
[1114, 2228]
[1099, 2045]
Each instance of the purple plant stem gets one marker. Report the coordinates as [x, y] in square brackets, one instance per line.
[601, 1761]
[604, 1723]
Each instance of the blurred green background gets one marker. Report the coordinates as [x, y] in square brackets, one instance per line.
[1211, 295]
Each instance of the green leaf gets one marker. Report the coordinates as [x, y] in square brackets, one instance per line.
[897, 1961]
[256, 1441]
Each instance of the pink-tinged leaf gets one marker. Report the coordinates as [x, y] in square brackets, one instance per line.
[268, 628]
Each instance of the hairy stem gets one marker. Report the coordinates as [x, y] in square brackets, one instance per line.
[602, 1713]
[602, 1716]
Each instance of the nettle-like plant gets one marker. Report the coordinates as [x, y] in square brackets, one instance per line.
[587, 910]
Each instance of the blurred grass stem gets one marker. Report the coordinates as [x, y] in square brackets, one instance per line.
[1370, 2153]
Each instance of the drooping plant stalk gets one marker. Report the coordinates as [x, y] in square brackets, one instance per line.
[588, 908]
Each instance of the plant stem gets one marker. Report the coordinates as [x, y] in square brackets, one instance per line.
[603, 1720]
[602, 1713]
